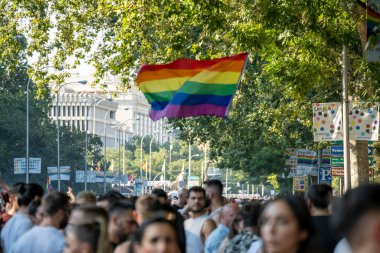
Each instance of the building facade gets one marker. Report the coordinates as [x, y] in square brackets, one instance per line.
[113, 120]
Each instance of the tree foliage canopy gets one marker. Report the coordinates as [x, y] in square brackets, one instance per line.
[295, 58]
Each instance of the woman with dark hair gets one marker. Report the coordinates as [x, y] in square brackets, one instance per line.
[157, 235]
[287, 227]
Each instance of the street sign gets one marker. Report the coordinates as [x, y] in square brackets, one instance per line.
[336, 150]
[337, 161]
[370, 150]
[337, 171]
[324, 175]
[299, 184]
[64, 173]
[370, 161]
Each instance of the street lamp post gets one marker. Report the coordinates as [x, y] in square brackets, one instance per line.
[150, 159]
[105, 151]
[190, 157]
[27, 125]
[150, 156]
[123, 126]
[94, 103]
[141, 156]
[58, 137]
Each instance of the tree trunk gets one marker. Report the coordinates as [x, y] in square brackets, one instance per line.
[359, 163]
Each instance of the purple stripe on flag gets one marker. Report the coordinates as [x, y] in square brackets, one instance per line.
[182, 111]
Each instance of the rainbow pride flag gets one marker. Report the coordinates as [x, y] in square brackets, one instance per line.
[49, 186]
[188, 88]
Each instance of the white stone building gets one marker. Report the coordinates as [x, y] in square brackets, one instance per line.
[126, 115]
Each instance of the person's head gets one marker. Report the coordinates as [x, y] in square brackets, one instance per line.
[214, 189]
[109, 198]
[27, 193]
[286, 226]
[161, 195]
[87, 238]
[228, 214]
[357, 218]
[197, 199]
[55, 206]
[146, 207]
[85, 197]
[250, 214]
[319, 197]
[158, 235]
[236, 226]
[87, 214]
[121, 225]
[35, 212]
[183, 194]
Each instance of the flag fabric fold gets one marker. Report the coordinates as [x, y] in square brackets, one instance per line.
[188, 88]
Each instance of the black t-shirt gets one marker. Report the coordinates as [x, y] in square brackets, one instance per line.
[326, 233]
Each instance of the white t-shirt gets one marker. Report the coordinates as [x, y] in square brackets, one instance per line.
[18, 225]
[193, 228]
[343, 247]
[40, 240]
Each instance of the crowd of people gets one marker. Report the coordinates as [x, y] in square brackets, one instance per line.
[199, 220]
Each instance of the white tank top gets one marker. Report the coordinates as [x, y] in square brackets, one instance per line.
[193, 229]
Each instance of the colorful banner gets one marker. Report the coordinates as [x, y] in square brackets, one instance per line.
[327, 121]
[372, 47]
[64, 173]
[19, 165]
[364, 123]
[326, 156]
[307, 162]
[299, 184]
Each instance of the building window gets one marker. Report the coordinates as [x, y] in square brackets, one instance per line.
[73, 110]
[83, 125]
[83, 108]
[69, 111]
[78, 110]
[112, 115]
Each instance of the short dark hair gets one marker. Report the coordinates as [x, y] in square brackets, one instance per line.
[27, 193]
[250, 214]
[33, 207]
[55, 201]
[159, 193]
[216, 184]
[120, 207]
[197, 189]
[320, 195]
[353, 206]
[111, 197]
